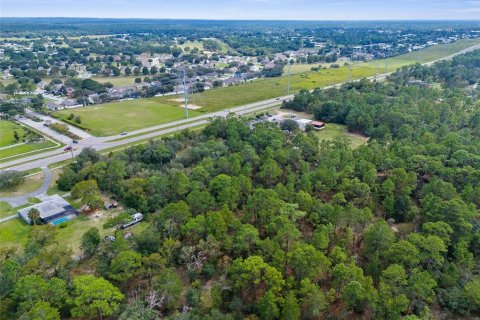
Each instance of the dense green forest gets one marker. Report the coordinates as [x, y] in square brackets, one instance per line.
[260, 223]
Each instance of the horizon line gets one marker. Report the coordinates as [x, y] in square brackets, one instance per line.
[233, 19]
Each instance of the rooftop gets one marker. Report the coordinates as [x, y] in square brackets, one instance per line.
[51, 208]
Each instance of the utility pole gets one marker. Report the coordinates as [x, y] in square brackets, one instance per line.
[350, 68]
[185, 92]
[71, 151]
[288, 81]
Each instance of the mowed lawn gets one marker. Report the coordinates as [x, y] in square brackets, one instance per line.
[307, 67]
[6, 132]
[333, 130]
[6, 139]
[31, 184]
[113, 118]
[120, 81]
[263, 89]
[116, 117]
[9, 153]
[425, 55]
[13, 233]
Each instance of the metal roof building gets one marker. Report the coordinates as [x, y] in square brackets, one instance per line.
[53, 209]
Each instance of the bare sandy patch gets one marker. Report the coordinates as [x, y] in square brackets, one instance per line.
[190, 106]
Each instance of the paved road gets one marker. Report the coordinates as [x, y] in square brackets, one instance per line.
[101, 143]
[23, 199]
[43, 129]
[82, 134]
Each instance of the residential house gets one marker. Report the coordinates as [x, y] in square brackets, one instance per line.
[53, 210]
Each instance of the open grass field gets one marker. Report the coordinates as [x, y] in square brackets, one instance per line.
[191, 44]
[425, 55]
[199, 45]
[120, 81]
[5, 210]
[304, 67]
[9, 153]
[113, 118]
[263, 89]
[13, 233]
[333, 130]
[31, 183]
[6, 132]
[6, 139]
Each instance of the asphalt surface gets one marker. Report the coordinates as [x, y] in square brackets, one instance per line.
[23, 199]
[101, 143]
[42, 128]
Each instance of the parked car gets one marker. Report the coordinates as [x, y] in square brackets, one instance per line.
[74, 141]
[124, 133]
[68, 148]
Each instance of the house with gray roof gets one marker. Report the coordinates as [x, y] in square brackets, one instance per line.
[53, 209]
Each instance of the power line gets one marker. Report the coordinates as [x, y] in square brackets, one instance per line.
[185, 92]
[288, 82]
[349, 77]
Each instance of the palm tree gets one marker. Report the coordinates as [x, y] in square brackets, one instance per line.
[34, 215]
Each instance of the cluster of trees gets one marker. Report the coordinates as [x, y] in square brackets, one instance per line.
[212, 45]
[316, 58]
[12, 107]
[462, 71]
[38, 286]
[275, 71]
[11, 179]
[84, 87]
[392, 110]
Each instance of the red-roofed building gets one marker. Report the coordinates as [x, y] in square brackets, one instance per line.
[317, 125]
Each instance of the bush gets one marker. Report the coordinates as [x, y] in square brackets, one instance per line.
[11, 179]
[60, 128]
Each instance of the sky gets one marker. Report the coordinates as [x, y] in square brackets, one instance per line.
[247, 9]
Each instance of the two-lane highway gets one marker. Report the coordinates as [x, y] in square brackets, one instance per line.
[102, 143]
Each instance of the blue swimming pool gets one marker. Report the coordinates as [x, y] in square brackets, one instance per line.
[58, 221]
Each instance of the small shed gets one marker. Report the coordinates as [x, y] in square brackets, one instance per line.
[318, 125]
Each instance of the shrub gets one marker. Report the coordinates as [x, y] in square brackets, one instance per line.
[11, 179]
[60, 128]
